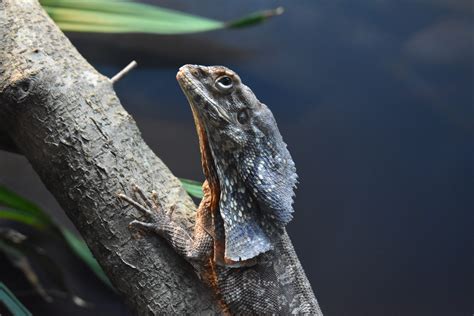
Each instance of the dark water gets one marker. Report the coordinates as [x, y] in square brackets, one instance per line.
[375, 100]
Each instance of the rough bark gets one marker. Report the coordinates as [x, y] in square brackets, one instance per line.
[64, 116]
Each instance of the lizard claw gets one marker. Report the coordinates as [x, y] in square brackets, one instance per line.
[150, 207]
[137, 191]
[140, 225]
[154, 199]
[137, 205]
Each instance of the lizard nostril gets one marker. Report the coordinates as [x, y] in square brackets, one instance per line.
[201, 71]
[198, 72]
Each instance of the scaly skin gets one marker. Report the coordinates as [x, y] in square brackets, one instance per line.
[238, 245]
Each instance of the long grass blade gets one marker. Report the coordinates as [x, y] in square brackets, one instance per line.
[25, 218]
[23, 211]
[13, 200]
[11, 302]
[79, 247]
[255, 18]
[124, 16]
[193, 188]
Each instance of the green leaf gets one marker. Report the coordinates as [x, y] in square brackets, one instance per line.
[255, 18]
[193, 188]
[112, 16]
[25, 212]
[24, 218]
[14, 201]
[11, 302]
[79, 247]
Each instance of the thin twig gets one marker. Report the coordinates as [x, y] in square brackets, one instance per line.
[123, 72]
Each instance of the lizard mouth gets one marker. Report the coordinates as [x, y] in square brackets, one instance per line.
[191, 91]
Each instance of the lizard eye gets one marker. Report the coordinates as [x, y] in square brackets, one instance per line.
[243, 117]
[224, 83]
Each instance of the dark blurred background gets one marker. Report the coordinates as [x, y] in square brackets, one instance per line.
[375, 100]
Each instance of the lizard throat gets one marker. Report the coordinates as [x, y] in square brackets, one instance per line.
[207, 161]
[213, 198]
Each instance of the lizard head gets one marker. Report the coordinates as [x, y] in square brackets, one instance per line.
[255, 171]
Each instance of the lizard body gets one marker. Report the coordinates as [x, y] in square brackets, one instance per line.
[239, 245]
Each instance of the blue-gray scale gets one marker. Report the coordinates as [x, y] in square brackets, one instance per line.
[375, 102]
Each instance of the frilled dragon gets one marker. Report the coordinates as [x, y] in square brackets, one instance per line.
[239, 245]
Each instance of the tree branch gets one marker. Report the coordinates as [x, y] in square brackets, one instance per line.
[123, 72]
[64, 116]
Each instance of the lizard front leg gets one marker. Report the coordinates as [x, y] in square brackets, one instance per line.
[193, 245]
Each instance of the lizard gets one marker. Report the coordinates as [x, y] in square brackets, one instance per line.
[239, 245]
